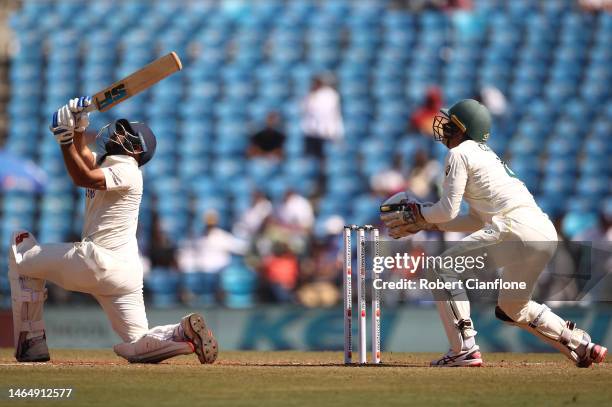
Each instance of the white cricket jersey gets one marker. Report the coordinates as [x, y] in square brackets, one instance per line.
[475, 173]
[111, 215]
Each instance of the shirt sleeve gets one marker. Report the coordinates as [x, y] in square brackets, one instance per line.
[120, 177]
[453, 188]
[467, 224]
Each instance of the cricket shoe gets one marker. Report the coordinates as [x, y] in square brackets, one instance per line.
[595, 354]
[465, 358]
[197, 332]
[33, 349]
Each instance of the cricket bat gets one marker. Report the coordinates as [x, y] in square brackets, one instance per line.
[135, 83]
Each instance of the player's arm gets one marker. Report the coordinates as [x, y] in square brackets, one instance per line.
[404, 216]
[78, 107]
[453, 188]
[80, 172]
[469, 223]
[64, 124]
[80, 143]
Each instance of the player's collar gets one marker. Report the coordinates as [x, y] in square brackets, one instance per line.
[120, 158]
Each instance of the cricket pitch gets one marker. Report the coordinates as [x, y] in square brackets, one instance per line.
[99, 378]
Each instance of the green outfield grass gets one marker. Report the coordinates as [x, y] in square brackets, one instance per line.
[98, 377]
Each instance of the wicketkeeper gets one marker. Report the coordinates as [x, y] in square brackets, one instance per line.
[505, 221]
[105, 263]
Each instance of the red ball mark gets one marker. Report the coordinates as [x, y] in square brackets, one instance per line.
[348, 312]
[350, 354]
[377, 355]
[363, 314]
[20, 237]
[348, 271]
[377, 312]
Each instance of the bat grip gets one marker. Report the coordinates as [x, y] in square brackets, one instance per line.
[91, 107]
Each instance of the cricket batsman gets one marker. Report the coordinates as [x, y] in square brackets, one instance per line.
[105, 263]
[505, 221]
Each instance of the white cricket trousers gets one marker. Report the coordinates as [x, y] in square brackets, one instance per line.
[521, 242]
[116, 282]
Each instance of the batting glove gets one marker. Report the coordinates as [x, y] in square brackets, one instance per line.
[81, 116]
[62, 125]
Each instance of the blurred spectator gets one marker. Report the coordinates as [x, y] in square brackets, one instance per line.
[320, 273]
[280, 271]
[252, 219]
[212, 252]
[321, 117]
[296, 212]
[268, 142]
[494, 100]
[420, 5]
[595, 5]
[162, 251]
[607, 216]
[390, 180]
[422, 118]
[459, 5]
[422, 176]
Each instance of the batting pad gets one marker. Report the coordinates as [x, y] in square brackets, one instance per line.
[27, 294]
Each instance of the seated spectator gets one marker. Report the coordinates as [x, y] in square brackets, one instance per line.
[280, 271]
[320, 272]
[212, 252]
[252, 219]
[595, 5]
[421, 5]
[268, 142]
[296, 212]
[421, 179]
[321, 117]
[161, 250]
[494, 100]
[390, 180]
[422, 118]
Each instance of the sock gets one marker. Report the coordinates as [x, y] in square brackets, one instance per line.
[178, 334]
[469, 343]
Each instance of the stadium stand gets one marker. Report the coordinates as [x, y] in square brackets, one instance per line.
[242, 59]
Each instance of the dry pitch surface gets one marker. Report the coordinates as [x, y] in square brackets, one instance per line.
[98, 377]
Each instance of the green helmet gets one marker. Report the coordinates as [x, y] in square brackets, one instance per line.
[472, 117]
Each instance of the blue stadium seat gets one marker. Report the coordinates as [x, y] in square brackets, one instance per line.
[201, 287]
[239, 285]
[241, 62]
[577, 221]
[163, 284]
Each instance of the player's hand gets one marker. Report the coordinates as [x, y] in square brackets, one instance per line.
[81, 116]
[62, 125]
[402, 216]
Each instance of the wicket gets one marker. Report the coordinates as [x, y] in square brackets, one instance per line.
[361, 295]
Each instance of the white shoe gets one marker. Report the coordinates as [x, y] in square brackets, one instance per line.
[33, 349]
[465, 358]
[201, 337]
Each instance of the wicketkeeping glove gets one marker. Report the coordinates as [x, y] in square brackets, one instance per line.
[62, 125]
[81, 116]
[402, 216]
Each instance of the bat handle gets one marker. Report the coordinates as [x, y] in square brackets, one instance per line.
[91, 107]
